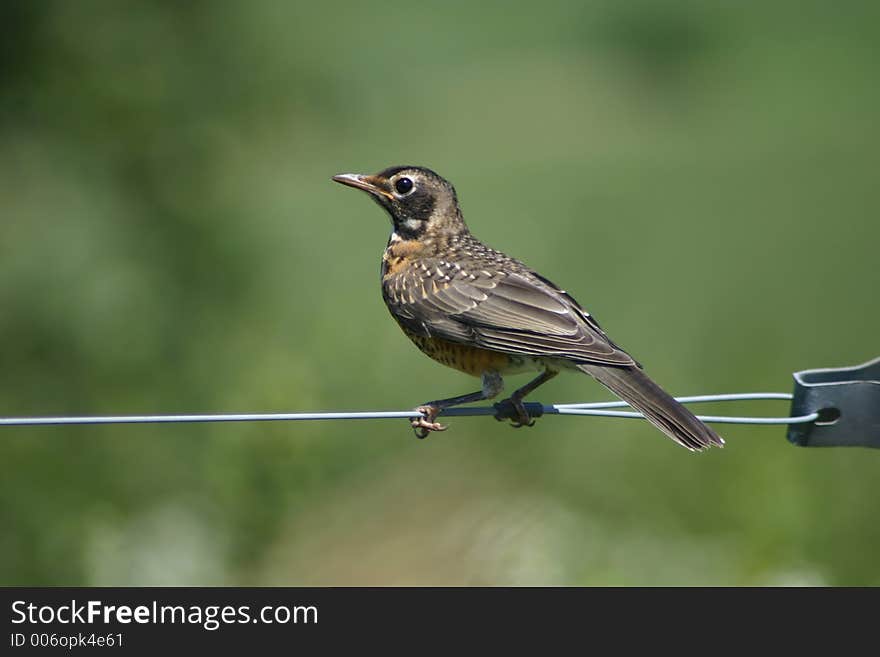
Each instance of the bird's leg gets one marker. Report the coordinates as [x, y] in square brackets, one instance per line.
[430, 410]
[427, 422]
[512, 407]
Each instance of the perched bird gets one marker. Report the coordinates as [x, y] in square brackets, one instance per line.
[484, 313]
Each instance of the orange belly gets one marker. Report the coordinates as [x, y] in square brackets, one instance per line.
[470, 360]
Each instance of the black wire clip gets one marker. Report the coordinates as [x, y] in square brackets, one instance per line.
[847, 400]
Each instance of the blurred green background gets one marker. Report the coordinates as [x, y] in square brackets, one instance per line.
[703, 176]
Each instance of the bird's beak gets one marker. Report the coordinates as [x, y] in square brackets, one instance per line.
[369, 184]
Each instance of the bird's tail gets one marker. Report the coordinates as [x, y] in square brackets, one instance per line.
[638, 390]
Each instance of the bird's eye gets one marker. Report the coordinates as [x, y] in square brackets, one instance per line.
[403, 186]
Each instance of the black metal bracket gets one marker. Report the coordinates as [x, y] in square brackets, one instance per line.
[847, 400]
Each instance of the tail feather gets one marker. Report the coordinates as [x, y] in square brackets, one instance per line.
[638, 390]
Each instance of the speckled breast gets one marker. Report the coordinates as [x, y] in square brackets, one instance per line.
[468, 359]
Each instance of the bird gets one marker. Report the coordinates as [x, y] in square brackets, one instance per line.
[477, 310]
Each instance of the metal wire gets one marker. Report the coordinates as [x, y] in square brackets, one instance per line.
[592, 408]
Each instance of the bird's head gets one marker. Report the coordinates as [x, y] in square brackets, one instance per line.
[420, 202]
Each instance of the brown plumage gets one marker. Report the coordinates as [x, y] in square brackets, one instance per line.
[477, 310]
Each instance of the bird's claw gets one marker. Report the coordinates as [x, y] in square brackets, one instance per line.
[426, 423]
[513, 410]
[422, 428]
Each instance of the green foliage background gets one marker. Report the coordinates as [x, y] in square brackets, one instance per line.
[703, 176]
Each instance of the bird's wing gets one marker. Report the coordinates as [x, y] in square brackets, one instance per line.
[508, 312]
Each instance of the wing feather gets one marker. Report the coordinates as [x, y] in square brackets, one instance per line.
[509, 312]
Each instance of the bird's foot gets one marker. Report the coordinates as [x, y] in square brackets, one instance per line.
[513, 409]
[426, 423]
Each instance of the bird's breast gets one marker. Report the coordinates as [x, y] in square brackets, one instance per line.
[399, 255]
[464, 358]
[472, 360]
